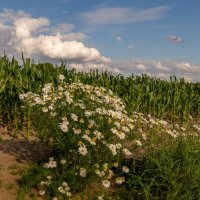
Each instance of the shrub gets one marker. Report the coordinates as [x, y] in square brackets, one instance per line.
[87, 129]
[93, 139]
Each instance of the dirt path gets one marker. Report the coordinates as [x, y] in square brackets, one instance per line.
[14, 156]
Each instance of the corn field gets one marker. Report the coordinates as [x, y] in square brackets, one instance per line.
[174, 99]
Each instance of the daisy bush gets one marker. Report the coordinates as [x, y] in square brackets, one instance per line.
[87, 129]
[92, 138]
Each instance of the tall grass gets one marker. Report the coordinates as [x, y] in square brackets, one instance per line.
[16, 79]
[170, 172]
[173, 99]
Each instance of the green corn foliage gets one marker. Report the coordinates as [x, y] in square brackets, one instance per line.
[16, 79]
[173, 99]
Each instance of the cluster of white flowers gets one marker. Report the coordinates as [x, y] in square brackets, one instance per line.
[90, 109]
[64, 189]
[92, 141]
[43, 185]
[47, 182]
[196, 127]
[146, 124]
[94, 118]
[83, 172]
[51, 164]
[120, 180]
[104, 171]
[126, 152]
[77, 131]
[114, 147]
[64, 124]
[173, 132]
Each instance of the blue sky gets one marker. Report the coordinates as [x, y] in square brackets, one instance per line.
[156, 37]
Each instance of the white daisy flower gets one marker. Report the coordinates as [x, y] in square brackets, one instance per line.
[83, 172]
[106, 183]
[83, 150]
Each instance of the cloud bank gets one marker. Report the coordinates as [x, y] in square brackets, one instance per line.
[119, 15]
[35, 37]
[160, 68]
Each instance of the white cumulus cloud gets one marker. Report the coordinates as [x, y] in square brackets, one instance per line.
[119, 38]
[35, 37]
[25, 27]
[175, 39]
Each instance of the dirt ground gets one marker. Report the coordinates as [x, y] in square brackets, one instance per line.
[15, 153]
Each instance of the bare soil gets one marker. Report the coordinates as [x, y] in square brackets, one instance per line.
[15, 154]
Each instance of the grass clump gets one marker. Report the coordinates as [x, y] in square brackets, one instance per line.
[170, 172]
